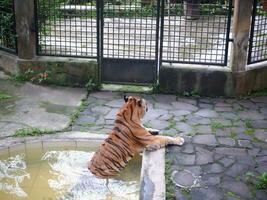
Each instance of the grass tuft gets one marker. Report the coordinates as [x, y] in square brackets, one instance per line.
[23, 132]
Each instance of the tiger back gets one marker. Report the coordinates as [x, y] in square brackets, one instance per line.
[123, 142]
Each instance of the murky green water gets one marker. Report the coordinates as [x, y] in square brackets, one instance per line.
[58, 170]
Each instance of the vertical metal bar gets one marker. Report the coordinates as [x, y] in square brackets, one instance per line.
[161, 32]
[157, 55]
[254, 11]
[228, 32]
[99, 18]
[36, 3]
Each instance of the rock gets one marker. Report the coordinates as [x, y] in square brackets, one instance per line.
[261, 135]
[226, 141]
[207, 113]
[210, 193]
[184, 106]
[205, 139]
[203, 129]
[239, 188]
[236, 170]
[231, 151]
[203, 156]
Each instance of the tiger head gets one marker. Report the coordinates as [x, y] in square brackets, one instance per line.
[139, 105]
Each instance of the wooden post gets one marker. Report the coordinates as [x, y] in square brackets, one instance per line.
[241, 29]
[25, 27]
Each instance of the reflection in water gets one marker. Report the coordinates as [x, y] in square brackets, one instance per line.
[12, 173]
[62, 175]
[72, 180]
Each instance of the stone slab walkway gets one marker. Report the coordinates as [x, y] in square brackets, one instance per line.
[36, 106]
[226, 141]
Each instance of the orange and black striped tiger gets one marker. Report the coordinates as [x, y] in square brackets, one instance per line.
[127, 138]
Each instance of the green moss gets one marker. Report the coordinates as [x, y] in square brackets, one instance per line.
[185, 191]
[172, 124]
[233, 135]
[248, 124]
[249, 131]
[231, 194]
[216, 125]
[31, 132]
[4, 95]
[170, 188]
[56, 108]
[88, 124]
[74, 116]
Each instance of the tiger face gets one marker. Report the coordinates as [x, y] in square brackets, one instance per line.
[138, 104]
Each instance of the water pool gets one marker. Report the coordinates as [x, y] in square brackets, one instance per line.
[57, 170]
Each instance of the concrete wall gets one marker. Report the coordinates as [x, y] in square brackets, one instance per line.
[211, 81]
[62, 71]
[8, 63]
[208, 81]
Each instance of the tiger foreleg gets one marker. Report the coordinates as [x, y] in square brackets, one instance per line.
[152, 131]
[158, 142]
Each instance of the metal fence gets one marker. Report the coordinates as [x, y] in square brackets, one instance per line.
[130, 29]
[258, 34]
[196, 31]
[7, 26]
[66, 28]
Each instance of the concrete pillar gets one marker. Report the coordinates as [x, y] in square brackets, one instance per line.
[241, 30]
[25, 26]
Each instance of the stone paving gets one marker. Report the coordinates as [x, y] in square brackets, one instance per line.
[226, 141]
[36, 106]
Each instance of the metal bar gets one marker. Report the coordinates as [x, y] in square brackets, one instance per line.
[36, 23]
[196, 63]
[161, 32]
[99, 4]
[157, 54]
[228, 32]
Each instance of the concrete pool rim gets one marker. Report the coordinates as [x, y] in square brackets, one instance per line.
[152, 180]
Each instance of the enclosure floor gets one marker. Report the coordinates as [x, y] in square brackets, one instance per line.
[226, 140]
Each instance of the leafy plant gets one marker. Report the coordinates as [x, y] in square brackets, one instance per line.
[92, 85]
[261, 182]
[155, 87]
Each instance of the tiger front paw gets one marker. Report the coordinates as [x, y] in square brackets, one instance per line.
[179, 140]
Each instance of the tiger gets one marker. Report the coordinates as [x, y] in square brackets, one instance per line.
[127, 138]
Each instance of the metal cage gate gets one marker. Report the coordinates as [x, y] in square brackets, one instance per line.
[129, 42]
[131, 38]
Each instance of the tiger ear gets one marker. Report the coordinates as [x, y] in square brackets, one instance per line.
[125, 98]
[139, 102]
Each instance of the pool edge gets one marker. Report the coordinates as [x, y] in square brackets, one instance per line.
[152, 183]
